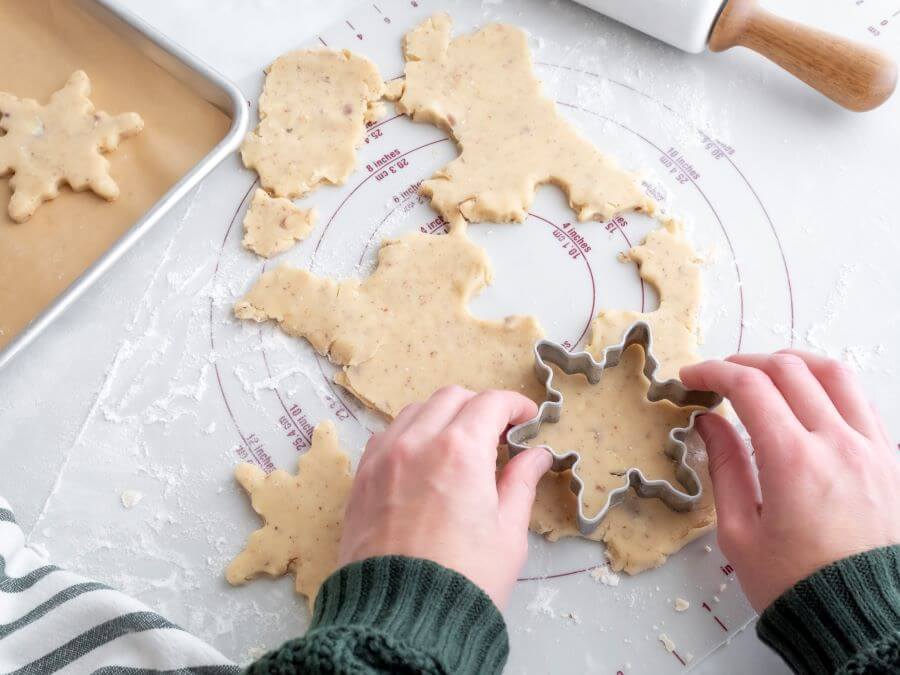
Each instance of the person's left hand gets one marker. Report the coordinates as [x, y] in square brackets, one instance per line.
[426, 488]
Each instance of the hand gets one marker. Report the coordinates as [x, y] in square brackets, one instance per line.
[828, 481]
[426, 487]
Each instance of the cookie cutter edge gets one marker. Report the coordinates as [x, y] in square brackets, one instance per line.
[550, 410]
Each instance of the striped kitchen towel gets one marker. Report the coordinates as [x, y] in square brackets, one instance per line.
[53, 621]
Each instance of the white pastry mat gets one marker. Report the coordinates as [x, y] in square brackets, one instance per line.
[787, 198]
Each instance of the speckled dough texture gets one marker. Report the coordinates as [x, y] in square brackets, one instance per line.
[273, 224]
[406, 330]
[482, 90]
[312, 113]
[60, 142]
[667, 260]
[613, 427]
[641, 533]
[303, 516]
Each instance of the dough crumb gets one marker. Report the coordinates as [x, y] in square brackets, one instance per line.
[707, 548]
[667, 642]
[571, 616]
[722, 587]
[130, 498]
[715, 598]
[681, 604]
[605, 576]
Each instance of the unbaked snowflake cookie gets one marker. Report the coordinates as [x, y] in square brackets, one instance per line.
[303, 516]
[60, 142]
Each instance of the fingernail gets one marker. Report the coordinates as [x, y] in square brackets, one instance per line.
[544, 459]
[701, 422]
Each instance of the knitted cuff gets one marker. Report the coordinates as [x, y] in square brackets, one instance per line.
[419, 603]
[837, 614]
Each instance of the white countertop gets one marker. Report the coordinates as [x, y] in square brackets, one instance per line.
[828, 177]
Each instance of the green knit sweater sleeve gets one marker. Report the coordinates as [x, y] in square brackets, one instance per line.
[395, 614]
[844, 618]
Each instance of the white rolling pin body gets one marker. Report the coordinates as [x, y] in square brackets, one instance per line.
[685, 24]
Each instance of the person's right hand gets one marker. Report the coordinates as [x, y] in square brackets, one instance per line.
[828, 483]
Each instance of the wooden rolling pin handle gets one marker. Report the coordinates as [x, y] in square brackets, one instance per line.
[849, 73]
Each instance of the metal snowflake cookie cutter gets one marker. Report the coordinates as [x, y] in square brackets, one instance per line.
[547, 352]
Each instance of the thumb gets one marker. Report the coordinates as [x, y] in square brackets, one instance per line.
[733, 478]
[517, 484]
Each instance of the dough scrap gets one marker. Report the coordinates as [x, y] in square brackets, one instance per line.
[481, 89]
[614, 427]
[274, 224]
[312, 111]
[406, 330]
[668, 261]
[303, 516]
[641, 533]
[60, 142]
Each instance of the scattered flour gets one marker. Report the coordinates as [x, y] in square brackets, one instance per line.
[605, 576]
[542, 601]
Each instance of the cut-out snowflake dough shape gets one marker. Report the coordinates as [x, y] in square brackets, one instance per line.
[61, 142]
[303, 516]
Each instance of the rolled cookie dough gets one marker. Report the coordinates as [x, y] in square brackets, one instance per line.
[614, 428]
[668, 261]
[312, 116]
[641, 533]
[482, 90]
[303, 516]
[60, 142]
[406, 330]
[274, 224]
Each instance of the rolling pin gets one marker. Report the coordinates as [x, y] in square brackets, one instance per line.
[851, 74]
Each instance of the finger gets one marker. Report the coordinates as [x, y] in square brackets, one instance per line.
[799, 387]
[384, 439]
[843, 388]
[437, 412]
[773, 427]
[882, 429]
[517, 486]
[735, 487]
[485, 417]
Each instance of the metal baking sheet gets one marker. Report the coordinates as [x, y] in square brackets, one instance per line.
[202, 80]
